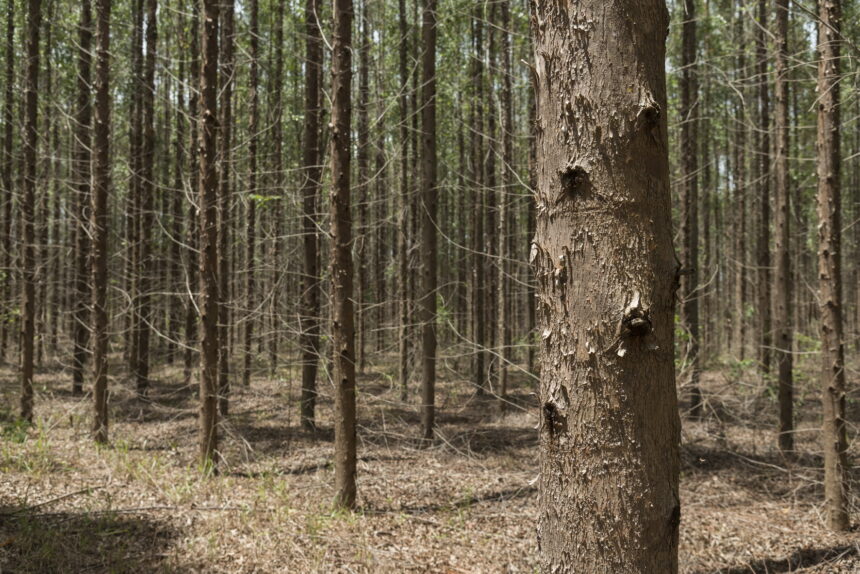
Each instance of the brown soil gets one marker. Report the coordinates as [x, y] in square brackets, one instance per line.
[467, 504]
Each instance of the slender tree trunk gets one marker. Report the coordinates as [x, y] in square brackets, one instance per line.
[343, 320]
[607, 273]
[478, 279]
[504, 333]
[100, 219]
[829, 265]
[403, 208]
[764, 159]
[690, 200]
[253, 126]
[176, 285]
[429, 206]
[225, 206]
[133, 209]
[145, 262]
[28, 209]
[363, 186]
[209, 299]
[739, 220]
[83, 141]
[312, 164]
[6, 179]
[277, 209]
[783, 288]
[192, 226]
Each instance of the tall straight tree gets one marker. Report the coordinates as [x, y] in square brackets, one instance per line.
[504, 333]
[100, 219]
[146, 186]
[6, 177]
[403, 206]
[311, 162]
[763, 159]
[28, 208]
[343, 315]
[83, 141]
[208, 181]
[782, 292]
[606, 274]
[429, 207]
[225, 205]
[690, 199]
[251, 223]
[830, 265]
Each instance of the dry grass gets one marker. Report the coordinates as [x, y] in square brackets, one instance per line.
[467, 504]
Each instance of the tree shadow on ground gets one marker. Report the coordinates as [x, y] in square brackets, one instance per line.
[803, 558]
[56, 542]
[494, 496]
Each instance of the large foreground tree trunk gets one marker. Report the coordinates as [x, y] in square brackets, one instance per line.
[829, 266]
[343, 319]
[606, 275]
[208, 302]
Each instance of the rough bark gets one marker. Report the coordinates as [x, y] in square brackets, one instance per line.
[607, 273]
[312, 164]
[208, 302]
[503, 269]
[829, 266]
[28, 208]
[782, 292]
[100, 219]
[343, 319]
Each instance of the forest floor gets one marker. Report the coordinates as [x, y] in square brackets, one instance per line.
[466, 504]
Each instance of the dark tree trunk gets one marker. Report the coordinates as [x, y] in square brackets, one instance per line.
[690, 201]
[225, 206]
[429, 206]
[28, 209]
[208, 303]
[783, 287]
[100, 219]
[6, 179]
[83, 141]
[312, 164]
[829, 265]
[607, 273]
[251, 233]
[343, 320]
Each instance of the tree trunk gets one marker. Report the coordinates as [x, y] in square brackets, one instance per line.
[208, 304]
[478, 279]
[343, 320]
[783, 288]
[83, 117]
[739, 220]
[429, 205]
[28, 209]
[403, 208]
[607, 274]
[312, 166]
[765, 341]
[192, 226]
[225, 206]
[251, 229]
[829, 265]
[145, 262]
[690, 201]
[100, 219]
[363, 185]
[6, 178]
[504, 328]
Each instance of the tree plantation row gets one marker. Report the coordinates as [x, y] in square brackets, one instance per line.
[606, 199]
